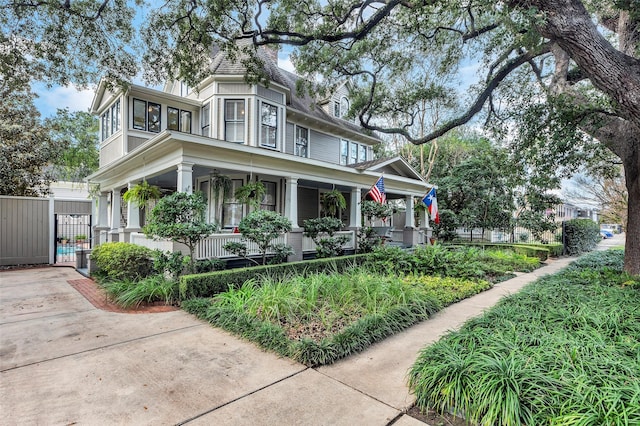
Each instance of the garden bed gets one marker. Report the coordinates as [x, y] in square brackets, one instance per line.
[564, 350]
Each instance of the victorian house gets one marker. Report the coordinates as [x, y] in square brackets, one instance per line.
[182, 138]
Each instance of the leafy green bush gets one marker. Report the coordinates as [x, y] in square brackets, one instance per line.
[322, 231]
[123, 261]
[541, 251]
[210, 284]
[449, 261]
[564, 350]
[581, 235]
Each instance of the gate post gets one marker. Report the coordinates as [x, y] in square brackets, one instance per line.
[52, 231]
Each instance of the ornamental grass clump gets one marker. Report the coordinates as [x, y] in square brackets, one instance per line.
[563, 351]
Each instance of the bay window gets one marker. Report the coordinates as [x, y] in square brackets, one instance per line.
[269, 125]
[234, 120]
[302, 141]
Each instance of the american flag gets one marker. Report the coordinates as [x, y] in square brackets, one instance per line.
[377, 191]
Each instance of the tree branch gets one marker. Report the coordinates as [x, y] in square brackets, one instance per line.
[492, 84]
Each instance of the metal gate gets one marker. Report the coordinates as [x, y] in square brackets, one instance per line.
[72, 233]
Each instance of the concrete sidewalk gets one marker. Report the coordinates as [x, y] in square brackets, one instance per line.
[62, 361]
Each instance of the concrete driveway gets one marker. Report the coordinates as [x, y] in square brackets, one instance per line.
[62, 362]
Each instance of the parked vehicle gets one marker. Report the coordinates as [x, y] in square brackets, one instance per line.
[606, 234]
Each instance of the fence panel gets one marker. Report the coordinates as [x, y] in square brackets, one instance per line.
[24, 230]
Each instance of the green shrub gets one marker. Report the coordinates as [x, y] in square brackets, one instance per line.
[555, 249]
[123, 261]
[581, 235]
[151, 289]
[564, 350]
[541, 251]
[210, 284]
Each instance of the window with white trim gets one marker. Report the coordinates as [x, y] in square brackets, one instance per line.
[353, 153]
[269, 200]
[344, 151]
[234, 114]
[302, 142]
[268, 125]
[110, 120]
[232, 209]
[362, 153]
[206, 119]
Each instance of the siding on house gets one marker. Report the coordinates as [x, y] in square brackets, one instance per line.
[72, 207]
[289, 138]
[111, 151]
[324, 147]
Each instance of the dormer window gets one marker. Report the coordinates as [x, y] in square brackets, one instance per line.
[341, 107]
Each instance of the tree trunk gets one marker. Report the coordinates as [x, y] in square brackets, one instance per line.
[632, 246]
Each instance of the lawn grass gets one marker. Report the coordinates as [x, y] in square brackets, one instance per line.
[321, 318]
[563, 351]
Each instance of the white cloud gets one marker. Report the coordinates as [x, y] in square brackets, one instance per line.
[58, 97]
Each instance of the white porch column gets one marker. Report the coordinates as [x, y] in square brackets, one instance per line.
[115, 210]
[103, 211]
[355, 213]
[185, 177]
[291, 201]
[409, 221]
[133, 214]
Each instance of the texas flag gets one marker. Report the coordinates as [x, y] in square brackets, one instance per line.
[431, 201]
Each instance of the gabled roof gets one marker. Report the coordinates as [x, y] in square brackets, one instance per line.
[391, 165]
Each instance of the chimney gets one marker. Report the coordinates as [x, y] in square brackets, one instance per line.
[272, 52]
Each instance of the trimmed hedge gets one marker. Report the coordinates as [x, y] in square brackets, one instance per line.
[212, 283]
[541, 251]
[581, 235]
[555, 249]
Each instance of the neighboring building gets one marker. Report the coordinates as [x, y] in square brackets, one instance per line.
[568, 211]
[181, 137]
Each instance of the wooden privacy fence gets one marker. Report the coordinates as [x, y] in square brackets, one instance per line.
[28, 228]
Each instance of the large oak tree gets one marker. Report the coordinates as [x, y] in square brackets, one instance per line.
[561, 86]
[557, 83]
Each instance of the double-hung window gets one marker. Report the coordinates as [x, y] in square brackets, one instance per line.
[153, 117]
[269, 125]
[206, 119]
[269, 200]
[344, 151]
[232, 208]
[362, 153]
[353, 153]
[234, 120]
[302, 141]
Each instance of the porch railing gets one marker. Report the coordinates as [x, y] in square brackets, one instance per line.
[213, 246]
[142, 240]
[350, 244]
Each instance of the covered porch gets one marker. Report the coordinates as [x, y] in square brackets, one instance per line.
[294, 188]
